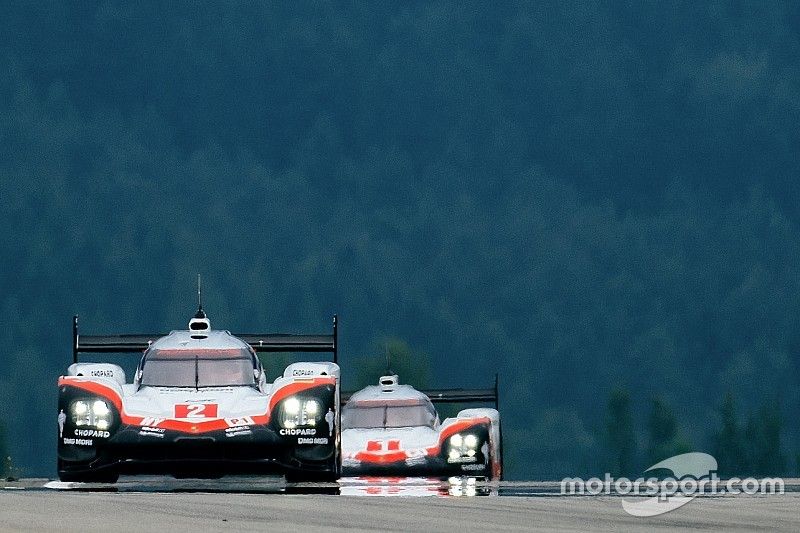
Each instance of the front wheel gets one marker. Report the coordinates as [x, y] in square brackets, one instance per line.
[103, 476]
[300, 476]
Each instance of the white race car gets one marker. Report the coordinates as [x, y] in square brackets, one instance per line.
[199, 405]
[394, 430]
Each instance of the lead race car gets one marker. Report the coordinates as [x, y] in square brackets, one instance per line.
[199, 405]
[391, 429]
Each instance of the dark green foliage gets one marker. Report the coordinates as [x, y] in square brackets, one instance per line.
[754, 448]
[763, 432]
[392, 356]
[573, 195]
[729, 443]
[664, 438]
[5, 460]
[620, 434]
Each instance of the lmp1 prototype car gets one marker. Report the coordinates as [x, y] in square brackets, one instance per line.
[199, 406]
[394, 430]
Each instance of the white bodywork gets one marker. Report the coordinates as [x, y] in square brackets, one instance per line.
[196, 409]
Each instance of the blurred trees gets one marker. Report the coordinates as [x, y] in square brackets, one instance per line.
[664, 437]
[620, 434]
[763, 433]
[752, 448]
[5, 459]
[392, 356]
[572, 195]
[728, 445]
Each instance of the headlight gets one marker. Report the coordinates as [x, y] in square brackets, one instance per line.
[463, 447]
[95, 413]
[312, 407]
[292, 406]
[298, 412]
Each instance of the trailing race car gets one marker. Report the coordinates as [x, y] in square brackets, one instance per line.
[199, 406]
[394, 430]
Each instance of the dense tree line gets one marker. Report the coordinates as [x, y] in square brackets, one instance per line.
[751, 446]
[581, 197]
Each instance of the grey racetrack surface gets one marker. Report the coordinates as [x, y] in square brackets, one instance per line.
[31, 508]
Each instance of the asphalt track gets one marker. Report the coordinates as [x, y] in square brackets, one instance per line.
[154, 504]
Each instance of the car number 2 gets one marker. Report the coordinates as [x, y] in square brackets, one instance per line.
[195, 410]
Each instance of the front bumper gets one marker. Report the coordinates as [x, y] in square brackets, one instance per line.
[241, 450]
[429, 466]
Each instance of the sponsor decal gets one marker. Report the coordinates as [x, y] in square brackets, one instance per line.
[195, 410]
[297, 372]
[243, 421]
[147, 431]
[237, 431]
[461, 459]
[102, 373]
[316, 440]
[151, 421]
[79, 442]
[472, 467]
[298, 431]
[415, 461]
[62, 418]
[417, 452]
[92, 433]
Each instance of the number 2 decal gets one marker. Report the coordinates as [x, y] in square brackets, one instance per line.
[195, 410]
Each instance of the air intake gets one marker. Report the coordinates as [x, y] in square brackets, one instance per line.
[388, 383]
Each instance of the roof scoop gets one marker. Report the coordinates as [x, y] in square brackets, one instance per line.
[388, 383]
[199, 325]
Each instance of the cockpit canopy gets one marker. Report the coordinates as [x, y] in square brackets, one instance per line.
[389, 414]
[198, 367]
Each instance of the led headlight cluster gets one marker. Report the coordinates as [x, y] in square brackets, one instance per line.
[93, 413]
[298, 412]
[463, 446]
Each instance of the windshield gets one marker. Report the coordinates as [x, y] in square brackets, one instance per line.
[388, 416]
[197, 370]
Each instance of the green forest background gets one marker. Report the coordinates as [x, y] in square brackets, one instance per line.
[599, 201]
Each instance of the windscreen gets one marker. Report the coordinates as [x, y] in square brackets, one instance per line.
[388, 416]
[219, 368]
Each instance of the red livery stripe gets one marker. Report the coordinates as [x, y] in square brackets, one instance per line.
[190, 426]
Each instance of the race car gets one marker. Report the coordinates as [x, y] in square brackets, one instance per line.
[391, 429]
[199, 406]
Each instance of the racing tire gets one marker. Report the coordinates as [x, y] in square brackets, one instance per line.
[299, 476]
[104, 476]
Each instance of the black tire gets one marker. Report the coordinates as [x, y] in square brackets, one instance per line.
[91, 477]
[299, 476]
[103, 476]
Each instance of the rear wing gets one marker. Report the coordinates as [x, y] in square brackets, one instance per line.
[260, 342]
[466, 395]
[490, 395]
